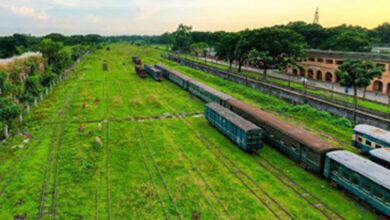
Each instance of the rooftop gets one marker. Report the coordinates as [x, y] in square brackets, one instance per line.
[364, 167]
[348, 54]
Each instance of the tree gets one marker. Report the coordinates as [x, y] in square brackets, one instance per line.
[56, 56]
[200, 47]
[182, 38]
[261, 59]
[276, 44]
[226, 47]
[357, 73]
[384, 32]
[8, 46]
[245, 43]
[314, 34]
[348, 41]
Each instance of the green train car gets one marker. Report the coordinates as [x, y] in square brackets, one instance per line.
[242, 132]
[175, 76]
[207, 93]
[363, 178]
[367, 137]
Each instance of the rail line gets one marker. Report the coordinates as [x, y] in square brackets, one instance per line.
[155, 165]
[26, 152]
[208, 186]
[314, 201]
[265, 198]
[160, 174]
[47, 207]
[283, 178]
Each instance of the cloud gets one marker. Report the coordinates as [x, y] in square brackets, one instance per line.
[93, 18]
[25, 11]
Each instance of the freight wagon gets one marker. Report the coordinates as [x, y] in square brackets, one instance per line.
[140, 71]
[136, 60]
[363, 178]
[175, 76]
[303, 147]
[242, 132]
[367, 137]
[381, 157]
[207, 93]
[153, 72]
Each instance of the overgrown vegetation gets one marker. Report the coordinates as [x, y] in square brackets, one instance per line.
[165, 171]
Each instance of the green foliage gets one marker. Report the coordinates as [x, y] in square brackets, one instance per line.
[357, 73]
[8, 109]
[348, 41]
[182, 38]
[198, 48]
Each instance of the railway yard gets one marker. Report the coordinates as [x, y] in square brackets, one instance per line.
[110, 145]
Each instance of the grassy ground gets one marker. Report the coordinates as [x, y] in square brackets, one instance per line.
[300, 86]
[149, 168]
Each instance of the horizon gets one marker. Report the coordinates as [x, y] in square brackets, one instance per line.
[152, 17]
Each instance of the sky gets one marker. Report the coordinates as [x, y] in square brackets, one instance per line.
[151, 17]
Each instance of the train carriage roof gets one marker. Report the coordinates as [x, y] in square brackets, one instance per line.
[364, 167]
[181, 75]
[217, 93]
[152, 68]
[383, 154]
[374, 132]
[304, 137]
[232, 117]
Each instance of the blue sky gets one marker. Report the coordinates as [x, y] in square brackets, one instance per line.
[114, 17]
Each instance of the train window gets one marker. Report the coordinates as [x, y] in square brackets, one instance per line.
[366, 187]
[368, 143]
[346, 175]
[378, 146]
[355, 181]
[388, 200]
[360, 139]
[377, 194]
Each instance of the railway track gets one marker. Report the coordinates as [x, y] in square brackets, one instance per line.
[208, 186]
[47, 207]
[314, 201]
[283, 178]
[258, 192]
[11, 171]
[154, 164]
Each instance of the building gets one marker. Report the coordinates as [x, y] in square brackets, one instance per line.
[322, 64]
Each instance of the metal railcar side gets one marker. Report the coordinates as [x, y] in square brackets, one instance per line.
[300, 145]
[175, 76]
[363, 178]
[153, 72]
[207, 93]
[242, 132]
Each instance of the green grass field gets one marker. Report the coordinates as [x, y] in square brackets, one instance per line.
[154, 167]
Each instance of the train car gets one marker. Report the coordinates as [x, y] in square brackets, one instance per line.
[363, 178]
[303, 147]
[140, 71]
[153, 72]
[241, 131]
[175, 76]
[207, 93]
[136, 60]
[367, 137]
[381, 157]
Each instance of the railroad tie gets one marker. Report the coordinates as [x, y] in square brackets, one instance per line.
[319, 205]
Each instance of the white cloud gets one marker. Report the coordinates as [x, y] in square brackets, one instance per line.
[93, 18]
[25, 11]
